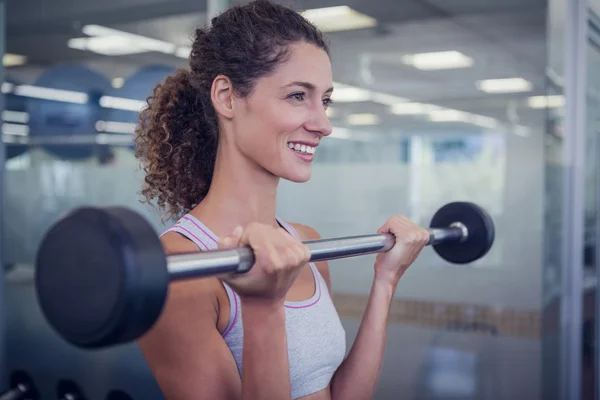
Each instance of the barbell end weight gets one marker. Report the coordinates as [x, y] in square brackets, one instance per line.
[101, 277]
[477, 223]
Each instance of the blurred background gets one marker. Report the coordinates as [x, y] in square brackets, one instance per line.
[489, 101]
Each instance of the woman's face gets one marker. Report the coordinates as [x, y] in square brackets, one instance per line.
[280, 125]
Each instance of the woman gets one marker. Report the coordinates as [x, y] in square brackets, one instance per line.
[214, 143]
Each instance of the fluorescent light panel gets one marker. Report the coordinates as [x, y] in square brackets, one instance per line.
[13, 60]
[340, 18]
[120, 103]
[7, 87]
[20, 117]
[183, 52]
[363, 119]
[539, 102]
[438, 60]
[448, 115]
[412, 108]
[350, 94]
[117, 83]
[507, 85]
[115, 127]
[38, 92]
[15, 129]
[142, 42]
[113, 42]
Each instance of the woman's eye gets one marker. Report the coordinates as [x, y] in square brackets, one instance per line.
[297, 96]
[327, 102]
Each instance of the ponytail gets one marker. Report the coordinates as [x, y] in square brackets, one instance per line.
[176, 143]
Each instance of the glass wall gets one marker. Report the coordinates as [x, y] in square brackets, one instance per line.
[434, 102]
[590, 389]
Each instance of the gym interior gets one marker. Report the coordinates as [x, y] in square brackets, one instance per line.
[494, 102]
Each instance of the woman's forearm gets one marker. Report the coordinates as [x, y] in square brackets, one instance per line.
[356, 377]
[265, 364]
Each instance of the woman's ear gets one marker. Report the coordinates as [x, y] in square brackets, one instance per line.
[221, 94]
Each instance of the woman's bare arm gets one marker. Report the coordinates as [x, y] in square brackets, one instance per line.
[190, 359]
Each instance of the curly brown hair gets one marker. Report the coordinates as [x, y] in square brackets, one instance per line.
[177, 137]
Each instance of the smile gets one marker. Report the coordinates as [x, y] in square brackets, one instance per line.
[301, 148]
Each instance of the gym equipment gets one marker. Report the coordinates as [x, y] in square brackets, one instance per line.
[13, 103]
[118, 395]
[68, 390]
[102, 275]
[67, 117]
[21, 388]
[138, 86]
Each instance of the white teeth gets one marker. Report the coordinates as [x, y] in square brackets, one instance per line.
[301, 148]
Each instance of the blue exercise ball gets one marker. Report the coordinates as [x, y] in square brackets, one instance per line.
[72, 113]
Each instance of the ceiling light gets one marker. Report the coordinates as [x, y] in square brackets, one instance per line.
[113, 42]
[363, 119]
[115, 127]
[7, 87]
[340, 133]
[45, 93]
[553, 101]
[107, 45]
[438, 60]
[117, 83]
[13, 60]
[412, 108]
[120, 103]
[340, 18]
[344, 133]
[387, 99]
[448, 115]
[331, 112]
[183, 52]
[20, 117]
[508, 85]
[15, 129]
[113, 139]
[142, 41]
[349, 94]
[484, 122]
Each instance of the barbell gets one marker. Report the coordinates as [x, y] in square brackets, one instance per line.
[102, 277]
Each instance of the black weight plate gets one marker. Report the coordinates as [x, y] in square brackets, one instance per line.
[101, 277]
[479, 225]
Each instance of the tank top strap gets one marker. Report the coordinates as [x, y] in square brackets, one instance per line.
[196, 231]
[288, 227]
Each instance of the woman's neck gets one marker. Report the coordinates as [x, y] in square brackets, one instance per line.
[241, 192]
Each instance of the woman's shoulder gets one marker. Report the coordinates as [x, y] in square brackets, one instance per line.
[309, 233]
[188, 292]
[175, 243]
[305, 232]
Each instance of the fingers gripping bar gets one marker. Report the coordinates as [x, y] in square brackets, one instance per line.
[240, 260]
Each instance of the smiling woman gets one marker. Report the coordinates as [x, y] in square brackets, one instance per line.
[214, 142]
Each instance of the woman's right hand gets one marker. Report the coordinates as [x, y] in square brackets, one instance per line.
[278, 258]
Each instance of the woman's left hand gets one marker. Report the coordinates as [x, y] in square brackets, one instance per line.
[410, 240]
